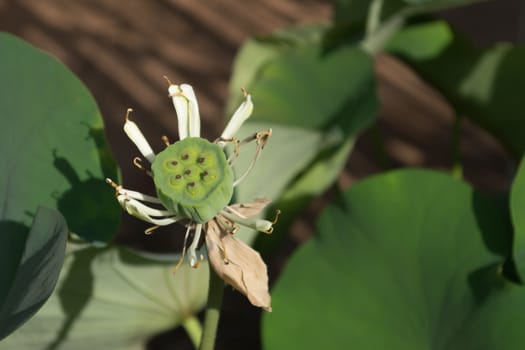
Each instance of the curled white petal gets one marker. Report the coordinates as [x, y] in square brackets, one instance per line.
[145, 213]
[135, 135]
[139, 196]
[187, 108]
[263, 225]
[239, 117]
[256, 224]
[144, 209]
[193, 247]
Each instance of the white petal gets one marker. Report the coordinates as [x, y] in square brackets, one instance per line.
[254, 223]
[194, 122]
[181, 108]
[140, 196]
[132, 130]
[144, 209]
[187, 108]
[263, 225]
[239, 117]
[145, 213]
[193, 247]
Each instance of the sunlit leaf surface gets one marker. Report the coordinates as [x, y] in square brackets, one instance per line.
[112, 299]
[406, 260]
[53, 148]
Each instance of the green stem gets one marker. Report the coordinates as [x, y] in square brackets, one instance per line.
[211, 318]
[378, 33]
[193, 328]
[374, 17]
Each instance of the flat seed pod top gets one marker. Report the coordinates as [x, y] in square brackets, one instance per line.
[193, 178]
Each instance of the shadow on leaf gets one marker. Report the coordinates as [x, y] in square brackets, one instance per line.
[75, 292]
[89, 205]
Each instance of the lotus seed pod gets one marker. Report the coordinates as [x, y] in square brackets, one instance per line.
[193, 178]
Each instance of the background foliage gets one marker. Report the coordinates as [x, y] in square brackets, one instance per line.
[407, 259]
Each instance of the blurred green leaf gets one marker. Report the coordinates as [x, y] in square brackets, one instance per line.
[350, 22]
[422, 42]
[257, 52]
[517, 206]
[53, 148]
[482, 84]
[406, 260]
[113, 299]
[306, 89]
[319, 175]
[31, 261]
[351, 17]
[316, 104]
[289, 151]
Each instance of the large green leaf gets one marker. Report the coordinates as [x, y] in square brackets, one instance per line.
[482, 84]
[53, 148]
[315, 104]
[112, 299]
[406, 260]
[517, 206]
[31, 261]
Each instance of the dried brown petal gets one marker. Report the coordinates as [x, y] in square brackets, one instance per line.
[238, 265]
[248, 210]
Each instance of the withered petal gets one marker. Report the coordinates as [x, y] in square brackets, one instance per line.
[238, 265]
[251, 209]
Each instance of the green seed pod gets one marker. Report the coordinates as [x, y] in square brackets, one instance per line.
[193, 178]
